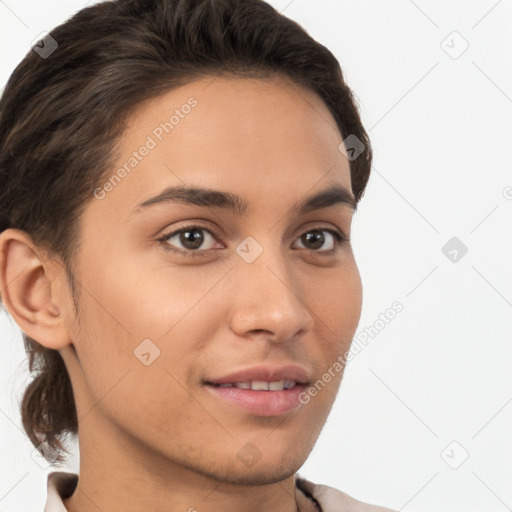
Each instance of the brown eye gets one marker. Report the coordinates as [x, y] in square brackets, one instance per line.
[314, 239]
[189, 240]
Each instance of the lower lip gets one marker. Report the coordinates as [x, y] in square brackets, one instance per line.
[262, 403]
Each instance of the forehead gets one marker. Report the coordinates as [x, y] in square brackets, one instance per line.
[245, 134]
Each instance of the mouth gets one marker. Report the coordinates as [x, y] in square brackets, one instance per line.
[260, 398]
[258, 385]
[263, 390]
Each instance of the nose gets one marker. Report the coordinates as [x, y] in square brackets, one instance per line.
[268, 301]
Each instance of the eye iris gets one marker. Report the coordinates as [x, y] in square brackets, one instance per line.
[314, 236]
[196, 239]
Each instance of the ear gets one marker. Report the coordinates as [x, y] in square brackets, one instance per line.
[27, 279]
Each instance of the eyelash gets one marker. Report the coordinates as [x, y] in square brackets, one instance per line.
[339, 238]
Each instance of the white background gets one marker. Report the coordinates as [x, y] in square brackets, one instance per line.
[441, 370]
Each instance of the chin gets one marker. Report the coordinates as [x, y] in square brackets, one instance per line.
[258, 472]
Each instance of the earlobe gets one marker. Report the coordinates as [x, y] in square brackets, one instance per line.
[26, 288]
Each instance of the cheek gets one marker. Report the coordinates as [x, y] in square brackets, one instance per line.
[350, 302]
[136, 315]
[338, 306]
[133, 383]
[337, 312]
[134, 299]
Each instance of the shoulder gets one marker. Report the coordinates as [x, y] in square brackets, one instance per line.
[334, 500]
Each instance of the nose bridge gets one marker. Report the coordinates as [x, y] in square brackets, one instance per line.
[266, 296]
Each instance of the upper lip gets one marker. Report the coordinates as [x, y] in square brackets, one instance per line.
[265, 373]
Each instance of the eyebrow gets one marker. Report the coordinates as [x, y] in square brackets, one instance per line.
[335, 194]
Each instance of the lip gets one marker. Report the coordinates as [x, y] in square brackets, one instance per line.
[261, 403]
[265, 373]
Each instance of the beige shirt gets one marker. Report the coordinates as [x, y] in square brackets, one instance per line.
[310, 497]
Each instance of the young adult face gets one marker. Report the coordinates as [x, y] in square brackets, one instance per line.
[227, 308]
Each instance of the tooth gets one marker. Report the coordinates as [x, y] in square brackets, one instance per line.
[259, 385]
[276, 386]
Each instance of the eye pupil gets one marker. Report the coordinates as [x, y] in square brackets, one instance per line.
[314, 236]
[197, 238]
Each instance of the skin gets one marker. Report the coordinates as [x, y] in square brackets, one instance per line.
[152, 437]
